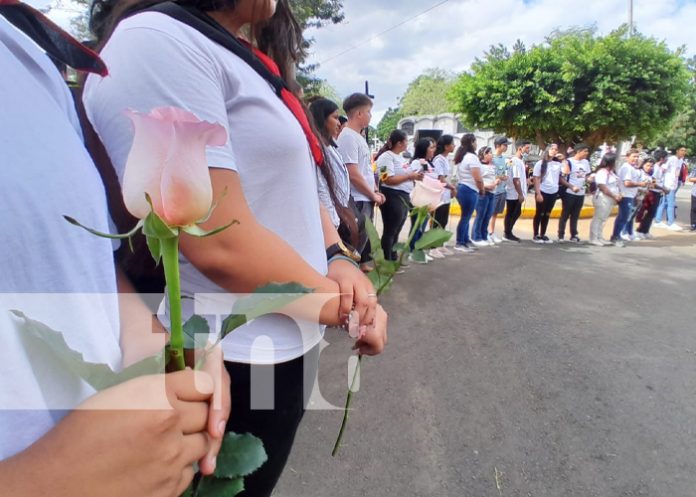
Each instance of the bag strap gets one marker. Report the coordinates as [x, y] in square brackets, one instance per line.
[257, 60]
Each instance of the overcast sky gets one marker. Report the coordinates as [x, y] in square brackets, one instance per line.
[452, 35]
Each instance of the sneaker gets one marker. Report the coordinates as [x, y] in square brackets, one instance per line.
[675, 227]
[413, 260]
[597, 243]
[491, 243]
[561, 239]
[428, 258]
[637, 237]
[463, 249]
[547, 240]
[538, 239]
[446, 251]
[480, 243]
[659, 225]
[626, 237]
[575, 239]
[605, 242]
[436, 254]
[511, 238]
[648, 236]
[495, 238]
[618, 243]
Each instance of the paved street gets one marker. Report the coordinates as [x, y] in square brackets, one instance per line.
[557, 371]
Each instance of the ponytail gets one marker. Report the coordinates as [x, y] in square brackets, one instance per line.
[396, 136]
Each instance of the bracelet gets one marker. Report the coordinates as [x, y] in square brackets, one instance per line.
[340, 257]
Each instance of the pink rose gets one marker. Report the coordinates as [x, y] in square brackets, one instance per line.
[167, 161]
[427, 193]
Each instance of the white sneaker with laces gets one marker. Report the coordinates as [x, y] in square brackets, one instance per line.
[675, 227]
[436, 254]
[479, 243]
[446, 251]
[463, 249]
[625, 237]
[495, 238]
[659, 225]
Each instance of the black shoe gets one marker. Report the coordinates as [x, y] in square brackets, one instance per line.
[575, 239]
[546, 239]
[511, 238]
[538, 239]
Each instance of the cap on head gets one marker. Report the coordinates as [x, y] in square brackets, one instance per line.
[500, 141]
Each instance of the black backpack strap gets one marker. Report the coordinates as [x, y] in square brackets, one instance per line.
[211, 29]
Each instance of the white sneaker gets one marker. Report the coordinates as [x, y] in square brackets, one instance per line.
[463, 249]
[446, 251]
[648, 236]
[436, 254]
[411, 259]
[606, 242]
[638, 237]
[625, 237]
[619, 244]
[479, 243]
[491, 243]
[597, 243]
[428, 258]
[659, 225]
[675, 227]
[495, 238]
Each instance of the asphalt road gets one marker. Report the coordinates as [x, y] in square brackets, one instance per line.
[520, 371]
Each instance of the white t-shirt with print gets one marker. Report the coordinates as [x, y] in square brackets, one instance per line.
[395, 166]
[156, 61]
[469, 162]
[672, 170]
[608, 178]
[579, 170]
[354, 150]
[54, 272]
[549, 183]
[441, 167]
[516, 170]
[488, 175]
[627, 172]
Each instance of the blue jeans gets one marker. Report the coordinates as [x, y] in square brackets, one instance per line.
[467, 198]
[669, 202]
[420, 231]
[484, 211]
[625, 210]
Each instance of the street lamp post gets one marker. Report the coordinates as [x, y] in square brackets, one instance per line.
[630, 18]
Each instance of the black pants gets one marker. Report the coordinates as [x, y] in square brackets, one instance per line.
[394, 213]
[649, 215]
[277, 427]
[441, 216]
[543, 213]
[512, 214]
[572, 206]
[368, 210]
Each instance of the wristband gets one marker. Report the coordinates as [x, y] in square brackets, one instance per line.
[339, 257]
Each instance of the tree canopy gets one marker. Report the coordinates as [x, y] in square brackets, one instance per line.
[576, 87]
[427, 94]
[388, 123]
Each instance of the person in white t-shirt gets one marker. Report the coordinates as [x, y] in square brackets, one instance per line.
[547, 180]
[671, 182]
[470, 187]
[630, 180]
[57, 437]
[608, 194]
[267, 169]
[396, 185]
[576, 171]
[356, 155]
[422, 162]
[516, 189]
[486, 202]
[443, 172]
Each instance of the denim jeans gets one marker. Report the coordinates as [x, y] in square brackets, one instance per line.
[669, 202]
[603, 204]
[484, 211]
[625, 211]
[467, 198]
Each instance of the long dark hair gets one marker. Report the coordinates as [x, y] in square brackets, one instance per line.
[320, 110]
[607, 162]
[396, 136]
[545, 159]
[467, 146]
[442, 142]
[421, 150]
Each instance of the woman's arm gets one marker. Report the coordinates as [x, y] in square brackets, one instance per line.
[248, 255]
[478, 179]
[403, 178]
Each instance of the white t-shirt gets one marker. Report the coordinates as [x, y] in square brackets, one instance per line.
[469, 162]
[579, 170]
[488, 175]
[354, 150]
[549, 183]
[52, 271]
[441, 167]
[608, 178]
[516, 169]
[341, 183]
[627, 172]
[659, 176]
[395, 165]
[672, 170]
[156, 61]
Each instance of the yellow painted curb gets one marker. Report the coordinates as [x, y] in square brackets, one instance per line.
[529, 210]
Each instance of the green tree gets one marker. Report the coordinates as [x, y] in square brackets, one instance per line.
[682, 131]
[427, 94]
[575, 87]
[388, 123]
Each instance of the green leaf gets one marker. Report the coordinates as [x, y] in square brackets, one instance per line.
[265, 300]
[99, 376]
[196, 332]
[418, 255]
[155, 247]
[375, 242]
[199, 232]
[433, 238]
[216, 487]
[380, 281]
[188, 492]
[156, 228]
[240, 455]
[128, 235]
